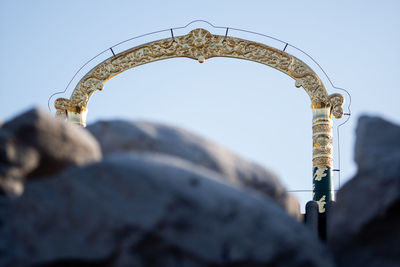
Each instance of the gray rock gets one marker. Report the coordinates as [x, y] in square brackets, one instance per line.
[364, 225]
[35, 144]
[377, 144]
[141, 209]
[118, 136]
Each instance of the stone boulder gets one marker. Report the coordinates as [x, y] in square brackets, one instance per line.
[142, 209]
[139, 136]
[377, 144]
[35, 144]
[364, 225]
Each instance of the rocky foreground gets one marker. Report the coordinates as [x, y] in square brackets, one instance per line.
[143, 194]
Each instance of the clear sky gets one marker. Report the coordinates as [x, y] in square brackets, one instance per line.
[251, 109]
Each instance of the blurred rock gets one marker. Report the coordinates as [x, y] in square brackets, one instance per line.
[377, 144]
[117, 136]
[364, 226]
[36, 144]
[141, 209]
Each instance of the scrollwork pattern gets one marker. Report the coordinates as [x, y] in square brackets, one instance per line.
[336, 101]
[61, 105]
[200, 45]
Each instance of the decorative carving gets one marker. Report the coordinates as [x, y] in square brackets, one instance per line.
[322, 155]
[322, 128]
[323, 161]
[321, 204]
[336, 101]
[322, 144]
[320, 173]
[313, 189]
[61, 105]
[200, 45]
[322, 141]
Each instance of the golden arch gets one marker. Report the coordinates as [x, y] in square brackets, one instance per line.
[200, 45]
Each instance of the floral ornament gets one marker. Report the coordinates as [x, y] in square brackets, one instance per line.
[336, 101]
[320, 173]
[200, 37]
[61, 105]
[199, 40]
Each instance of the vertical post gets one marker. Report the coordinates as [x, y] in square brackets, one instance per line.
[323, 190]
[77, 115]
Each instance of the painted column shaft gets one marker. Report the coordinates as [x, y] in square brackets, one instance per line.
[323, 190]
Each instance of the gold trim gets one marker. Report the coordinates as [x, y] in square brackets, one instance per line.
[321, 128]
[322, 161]
[201, 45]
[322, 122]
[76, 109]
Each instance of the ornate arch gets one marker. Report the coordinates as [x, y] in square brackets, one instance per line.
[200, 45]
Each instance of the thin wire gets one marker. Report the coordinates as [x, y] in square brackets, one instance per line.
[338, 141]
[308, 190]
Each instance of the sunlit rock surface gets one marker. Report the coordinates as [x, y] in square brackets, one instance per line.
[139, 136]
[364, 228]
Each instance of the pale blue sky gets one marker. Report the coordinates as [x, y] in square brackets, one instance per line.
[251, 109]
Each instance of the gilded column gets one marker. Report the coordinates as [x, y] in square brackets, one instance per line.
[323, 190]
[77, 115]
